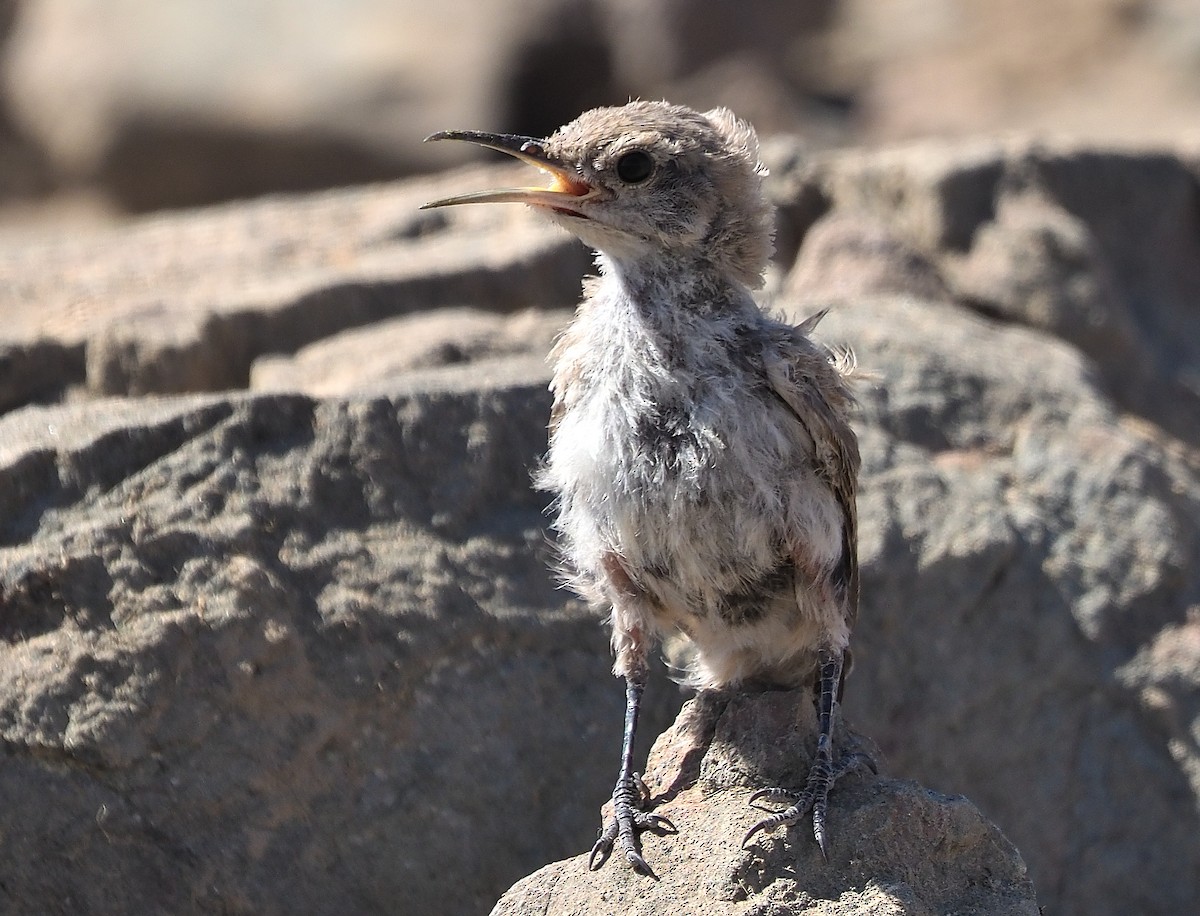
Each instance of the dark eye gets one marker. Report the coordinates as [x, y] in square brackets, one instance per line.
[635, 166]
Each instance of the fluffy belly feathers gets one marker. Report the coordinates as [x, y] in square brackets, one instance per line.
[711, 509]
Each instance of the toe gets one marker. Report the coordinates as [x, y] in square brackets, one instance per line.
[599, 855]
[646, 821]
[603, 847]
[635, 860]
[819, 827]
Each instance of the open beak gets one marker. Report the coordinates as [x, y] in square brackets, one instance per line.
[565, 193]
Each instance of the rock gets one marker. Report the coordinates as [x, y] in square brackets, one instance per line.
[1037, 264]
[1101, 248]
[23, 169]
[195, 103]
[24, 172]
[187, 303]
[847, 256]
[203, 102]
[1106, 73]
[1029, 537]
[198, 102]
[894, 847]
[1023, 546]
[274, 655]
[383, 353]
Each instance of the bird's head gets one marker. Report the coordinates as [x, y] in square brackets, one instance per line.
[647, 180]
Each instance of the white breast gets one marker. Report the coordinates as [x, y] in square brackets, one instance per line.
[708, 504]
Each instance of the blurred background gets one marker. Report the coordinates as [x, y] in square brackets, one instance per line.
[114, 107]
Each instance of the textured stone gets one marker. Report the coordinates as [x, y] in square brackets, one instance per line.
[251, 641]
[895, 847]
[188, 302]
[272, 655]
[847, 256]
[1022, 545]
[385, 352]
[1101, 248]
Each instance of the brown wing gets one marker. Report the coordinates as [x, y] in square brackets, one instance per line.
[803, 375]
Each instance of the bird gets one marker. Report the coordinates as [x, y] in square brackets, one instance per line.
[701, 455]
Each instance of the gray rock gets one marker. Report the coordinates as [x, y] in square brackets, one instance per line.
[1101, 248]
[202, 102]
[23, 169]
[195, 102]
[894, 847]
[846, 256]
[1029, 531]
[385, 352]
[199, 102]
[188, 302]
[273, 655]
[1104, 73]
[1025, 552]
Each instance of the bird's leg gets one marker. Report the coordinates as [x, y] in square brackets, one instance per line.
[629, 796]
[824, 771]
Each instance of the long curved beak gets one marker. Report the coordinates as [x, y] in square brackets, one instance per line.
[566, 189]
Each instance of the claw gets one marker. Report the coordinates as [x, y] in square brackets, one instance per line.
[855, 760]
[764, 824]
[628, 820]
[603, 846]
[818, 819]
[814, 797]
[807, 799]
[823, 773]
[657, 822]
[599, 855]
[634, 858]
[630, 798]
[772, 793]
[643, 792]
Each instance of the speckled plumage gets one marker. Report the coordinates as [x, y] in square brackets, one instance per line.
[700, 450]
[705, 476]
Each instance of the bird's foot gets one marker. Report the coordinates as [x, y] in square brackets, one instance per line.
[630, 817]
[814, 796]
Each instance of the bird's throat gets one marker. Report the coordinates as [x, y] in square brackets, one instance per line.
[666, 287]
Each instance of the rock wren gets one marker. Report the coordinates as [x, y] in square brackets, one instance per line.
[700, 452]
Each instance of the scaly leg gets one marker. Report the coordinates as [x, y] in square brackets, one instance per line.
[629, 797]
[824, 772]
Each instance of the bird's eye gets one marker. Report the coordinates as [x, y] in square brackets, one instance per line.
[635, 166]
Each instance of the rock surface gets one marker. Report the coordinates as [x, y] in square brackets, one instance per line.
[277, 652]
[895, 847]
[385, 352]
[188, 303]
[1098, 247]
[276, 655]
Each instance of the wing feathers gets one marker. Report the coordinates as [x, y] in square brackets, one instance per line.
[805, 379]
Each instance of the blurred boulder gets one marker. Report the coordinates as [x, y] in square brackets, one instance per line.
[188, 103]
[1112, 71]
[24, 171]
[387, 351]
